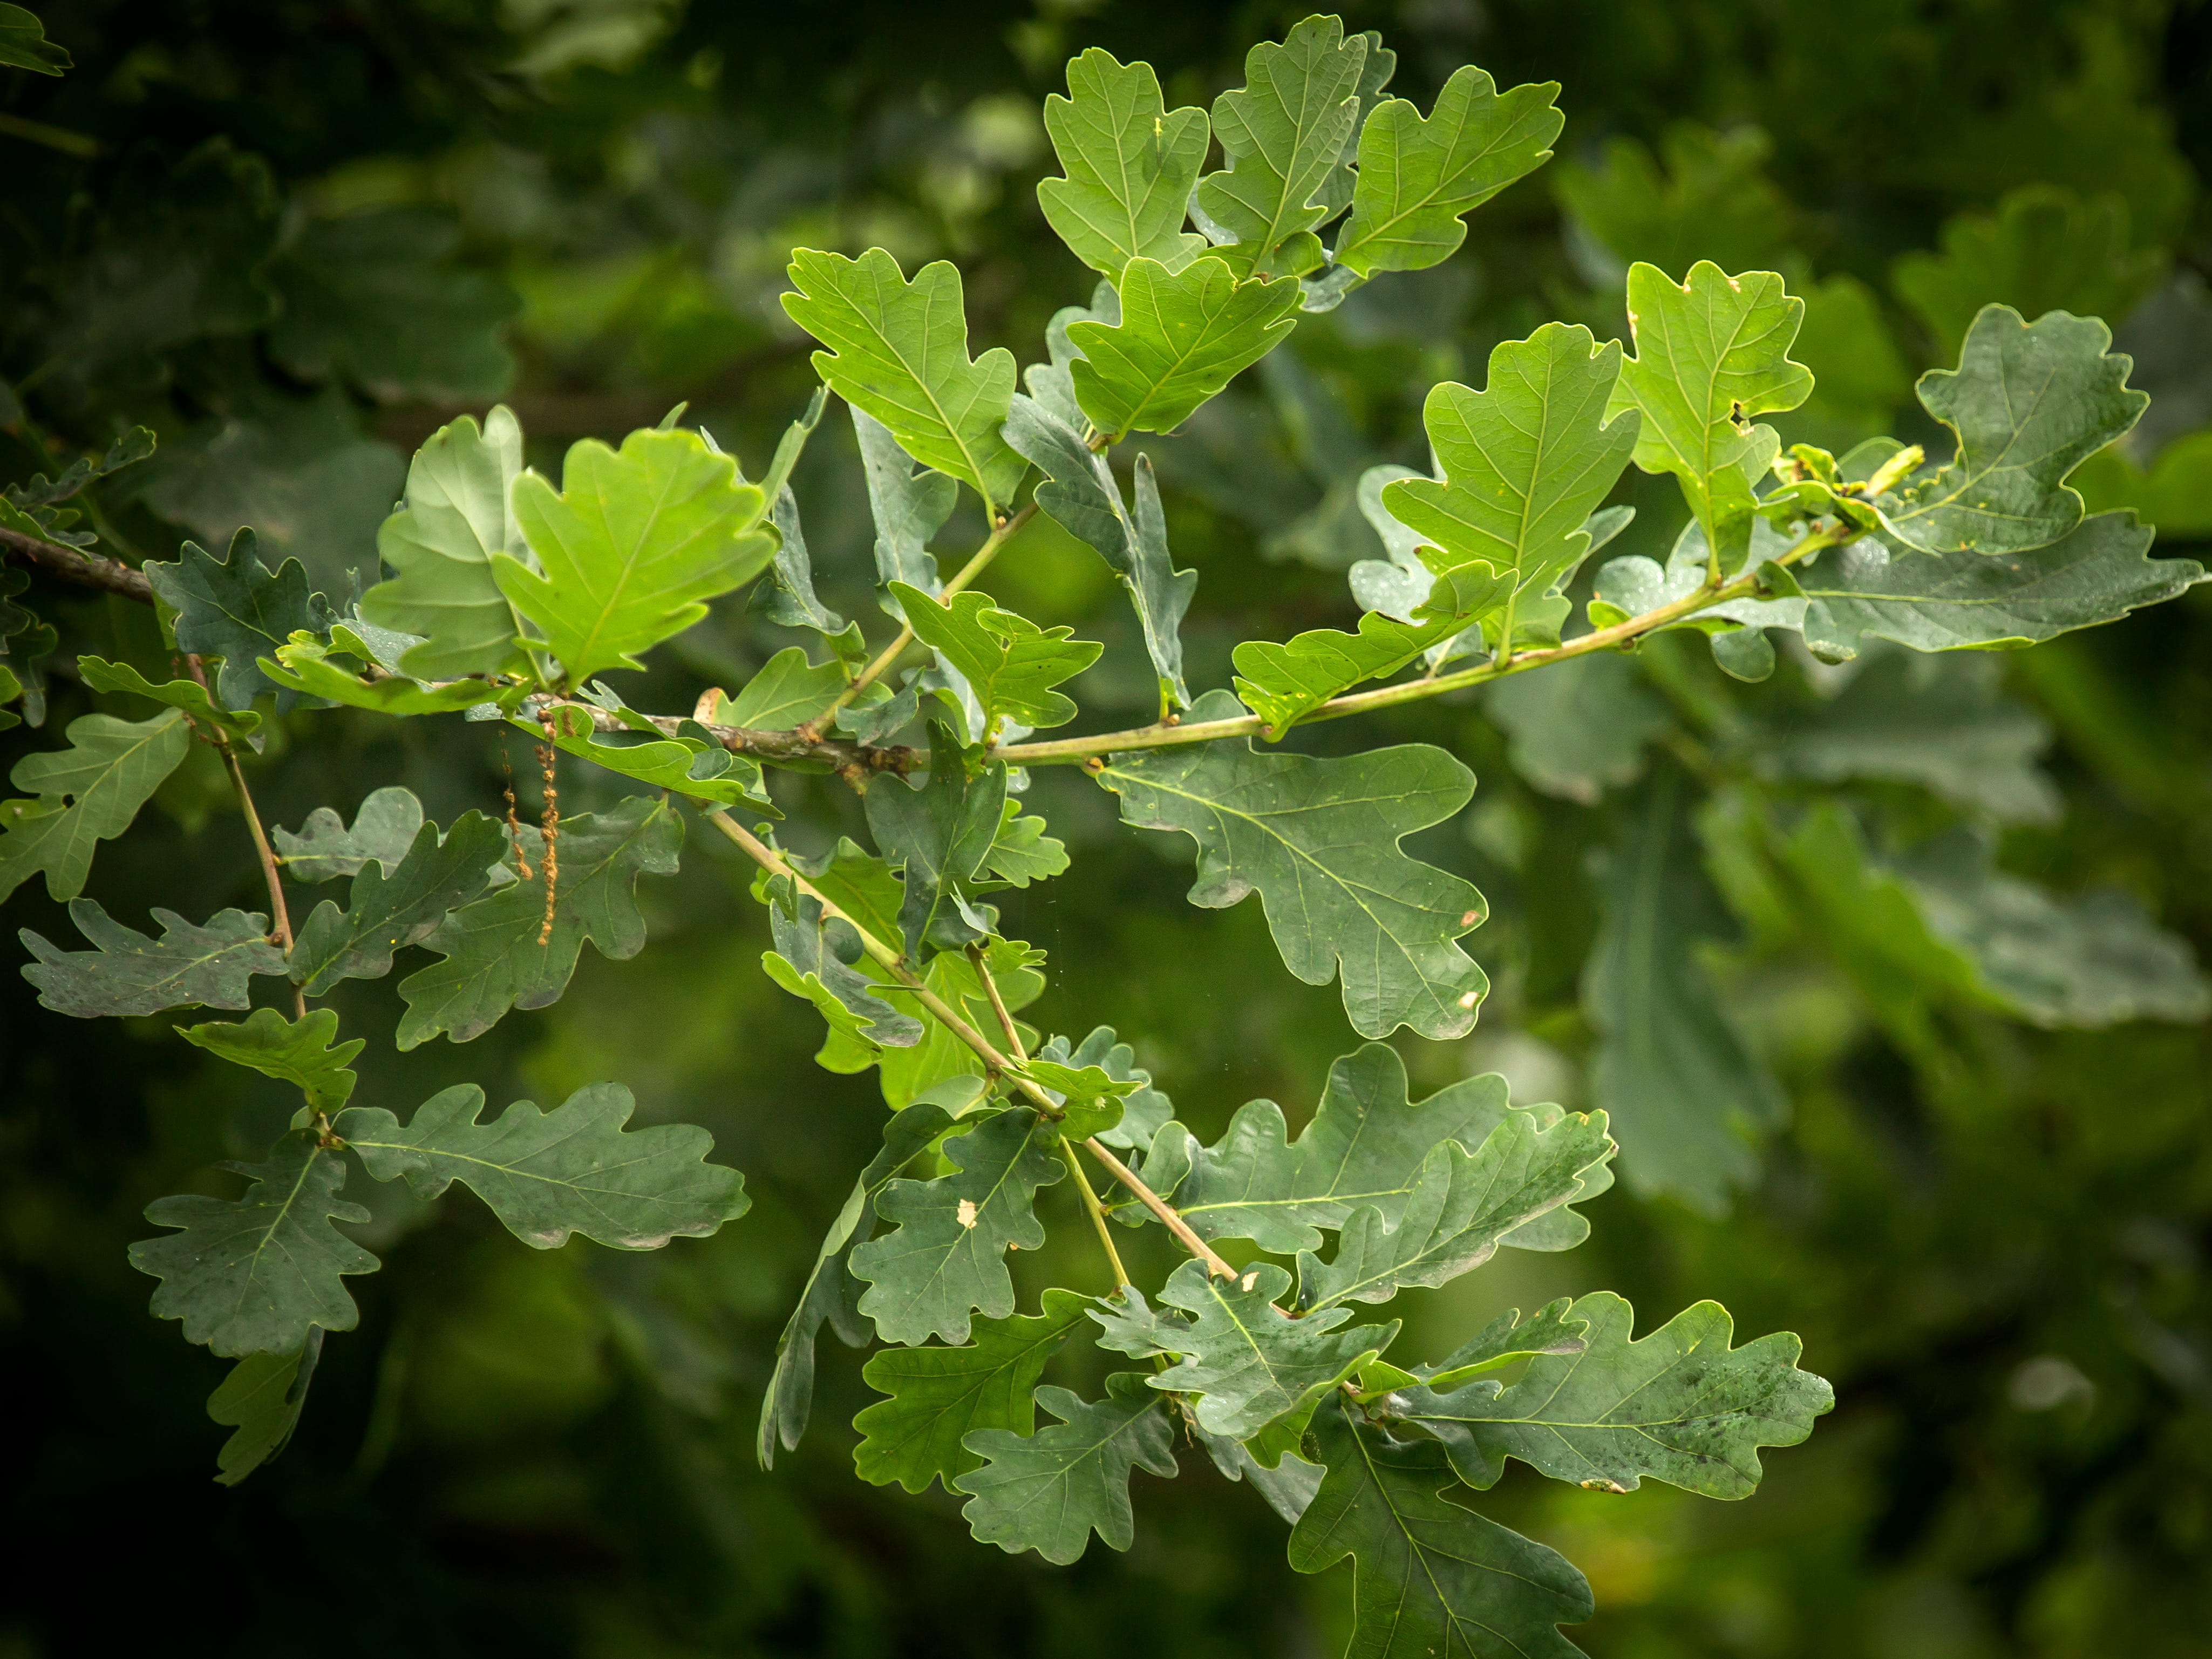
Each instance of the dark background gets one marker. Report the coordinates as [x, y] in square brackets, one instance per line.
[1991, 1236]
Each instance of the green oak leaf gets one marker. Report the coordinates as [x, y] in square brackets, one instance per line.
[1363, 1147]
[898, 350]
[1128, 1324]
[1462, 1205]
[1249, 1361]
[457, 514]
[1509, 1338]
[787, 598]
[1283, 682]
[1337, 191]
[235, 609]
[387, 911]
[1090, 1098]
[1711, 351]
[1144, 1109]
[1680, 1406]
[1681, 1087]
[1012, 663]
[85, 794]
[1527, 461]
[1319, 839]
[829, 1294]
[1130, 164]
[261, 1400]
[1021, 852]
[1287, 1488]
[189, 696]
[692, 762]
[1416, 177]
[303, 1052]
[547, 1175]
[1081, 496]
[939, 832]
[1431, 1577]
[1052, 383]
[128, 973]
[813, 958]
[1182, 337]
[945, 1255]
[23, 44]
[323, 848]
[1048, 1491]
[1282, 134]
[2028, 402]
[788, 691]
[256, 1274]
[939, 1396]
[494, 960]
[632, 546]
[907, 1074]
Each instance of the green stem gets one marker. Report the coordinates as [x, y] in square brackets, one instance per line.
[1096, 1212]
[279, 917]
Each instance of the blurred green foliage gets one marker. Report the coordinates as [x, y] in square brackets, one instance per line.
[295, 238]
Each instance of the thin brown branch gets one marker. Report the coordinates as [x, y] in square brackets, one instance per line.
[1160, 1207]
[83, 569]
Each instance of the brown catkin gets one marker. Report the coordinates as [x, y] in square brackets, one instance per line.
[549, 821]
[513, 823]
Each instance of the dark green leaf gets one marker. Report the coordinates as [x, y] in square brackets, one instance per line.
[787, 597]
[1680, 1406]
[946, 1254]
[2028, 402]
[494, 960]
[1130, 163]
[258, 1275]
[1319, 839]
[387, 912]
[1461, 1206]
[261, 1400]
[233, 608]
[547, 1175]
[1249, 1360]
[457, 514]
[1127, 1324]
[302, 1052]
[1182, 337]
[87, 794]
[1288, 1487]
[829, 1293]
[813, 957]
[1048, 1491]
[384, 829]
[939, 832]
[1433, 1578]
[1416, 177]
[189, 696]
[1552, 1329]
[1144, 1109]
[1363, 1147]
[128, 973]
[909, 505]
[23, 43]
[938, 1395]
[634, 543]
[898, 350]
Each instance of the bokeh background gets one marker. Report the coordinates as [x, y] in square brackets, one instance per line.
[294, 237]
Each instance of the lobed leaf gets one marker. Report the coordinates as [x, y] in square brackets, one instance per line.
[456, 515]
[1182, 337]
[631, 547]
[303, 1052]
[189, 696]
[261, 1400]
[1050, 1491]
[940, 1395]
[939, 833]
[1417, 176]
[1462, 1205]
[1247, 1360]
[1319, 839]
[1432, 1576]
[236, 609]
[547, 1175]
[323, 848]
[127, 973]
[387, 911]
[813, 958]
[1130, 164]
[898, 352]
[1011, 662]
[258, 1275]
[87, 794]
[945, 1255]
[493, 958]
